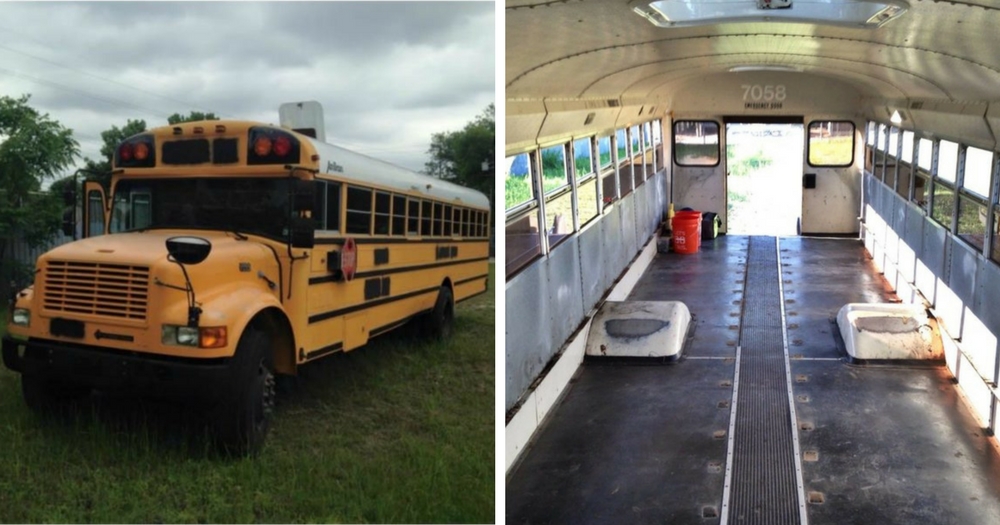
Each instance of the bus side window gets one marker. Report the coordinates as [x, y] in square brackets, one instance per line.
[448, 218]
[382, 217]
[425, 218]
[465, 222]
[319, 207]
[333, 206]
[413, 217]
[359, 210]
[438, 222]
[398, 215]
[96, 213]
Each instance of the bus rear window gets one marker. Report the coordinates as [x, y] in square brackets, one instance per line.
[696, 143]
[831, 144]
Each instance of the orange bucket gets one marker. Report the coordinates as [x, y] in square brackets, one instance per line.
[687, 231]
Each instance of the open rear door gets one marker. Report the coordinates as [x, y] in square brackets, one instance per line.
[95, 209]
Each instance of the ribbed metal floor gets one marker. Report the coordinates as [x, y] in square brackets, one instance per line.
[763, 485]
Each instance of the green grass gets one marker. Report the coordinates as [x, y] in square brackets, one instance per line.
[697, 154]
[831, 151]
[516, 190]
[399, 431]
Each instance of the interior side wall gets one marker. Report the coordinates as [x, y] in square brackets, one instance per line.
[927, 261]
[555, 293]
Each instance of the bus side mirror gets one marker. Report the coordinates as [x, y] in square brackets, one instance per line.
[188, 250]
[303, 232]
[303, 195]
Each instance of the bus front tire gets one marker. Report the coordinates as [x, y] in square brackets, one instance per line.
[244, 417]
[440, 320]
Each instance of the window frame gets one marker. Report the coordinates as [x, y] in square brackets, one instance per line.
[370, 211]
[854, 143]
[718, 143]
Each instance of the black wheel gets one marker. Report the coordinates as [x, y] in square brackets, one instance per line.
[243, 417]
[45, 395]
[440, 321]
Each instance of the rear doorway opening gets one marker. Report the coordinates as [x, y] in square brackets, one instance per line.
[764, 178]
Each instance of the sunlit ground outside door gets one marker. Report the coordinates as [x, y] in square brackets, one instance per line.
[764, 182]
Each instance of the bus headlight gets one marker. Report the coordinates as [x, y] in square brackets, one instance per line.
[179, 335]
[203, 337]
[21, 317]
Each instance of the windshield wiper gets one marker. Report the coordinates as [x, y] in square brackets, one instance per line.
[238, 235]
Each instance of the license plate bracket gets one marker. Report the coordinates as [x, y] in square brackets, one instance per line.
[67, 328]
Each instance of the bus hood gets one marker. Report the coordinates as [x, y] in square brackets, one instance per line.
[149, 248]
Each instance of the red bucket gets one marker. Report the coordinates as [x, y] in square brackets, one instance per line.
[687, 231]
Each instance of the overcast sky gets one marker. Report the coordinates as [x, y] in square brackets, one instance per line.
[388, 74]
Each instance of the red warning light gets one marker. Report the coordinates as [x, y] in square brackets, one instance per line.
[262, 146]
[125, 152]
[141, 151]
[282, 146]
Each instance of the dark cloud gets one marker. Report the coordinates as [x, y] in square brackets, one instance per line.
[388, 74]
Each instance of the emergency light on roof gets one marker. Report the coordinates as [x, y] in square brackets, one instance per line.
[856, 13]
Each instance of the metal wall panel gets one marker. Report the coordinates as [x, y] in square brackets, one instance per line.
[868, 191]
[592, 265]
[964, 267]
[657, 206]
[565, 294]
[889, 197]
[628, 226]
[913, 238]
[876, 204]
[641, 203]
[527, 345]
[914, 232]
[613, 246]
[875, 198]
[987, 292]
[654, 212]
[898, 221]
[933, 250]
[889, 205]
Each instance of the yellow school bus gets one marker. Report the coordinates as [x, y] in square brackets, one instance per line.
[228, 252]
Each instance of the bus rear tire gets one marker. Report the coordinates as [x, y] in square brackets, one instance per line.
[439, 321]
[243, 418]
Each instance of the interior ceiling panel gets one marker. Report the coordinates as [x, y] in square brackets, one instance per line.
[602, 48]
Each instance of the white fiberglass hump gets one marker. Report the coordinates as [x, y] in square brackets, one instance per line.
[857, 13]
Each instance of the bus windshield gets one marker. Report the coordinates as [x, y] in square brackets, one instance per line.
[246, 205]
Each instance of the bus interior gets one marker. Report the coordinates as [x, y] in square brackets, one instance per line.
[849, 151]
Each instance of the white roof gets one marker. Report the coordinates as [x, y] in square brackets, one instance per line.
[355, 166]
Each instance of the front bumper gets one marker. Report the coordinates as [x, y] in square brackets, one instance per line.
[102, 368]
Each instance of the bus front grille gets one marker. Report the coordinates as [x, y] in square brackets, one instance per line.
[108, 290]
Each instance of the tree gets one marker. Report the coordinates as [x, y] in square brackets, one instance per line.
[33, 149]
[458, 156]
[101, 169]
[194, 116]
